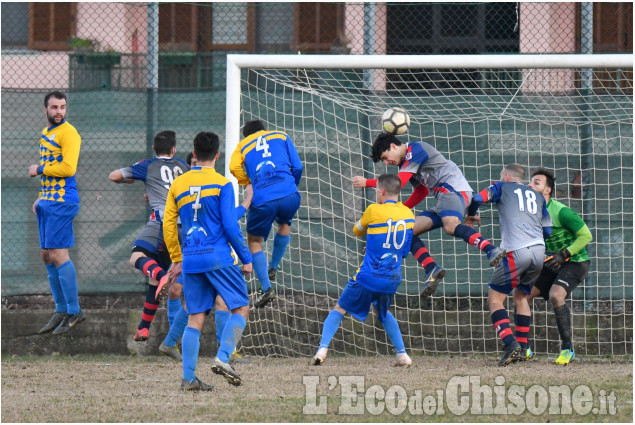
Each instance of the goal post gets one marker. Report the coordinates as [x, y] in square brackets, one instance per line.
[569, 113]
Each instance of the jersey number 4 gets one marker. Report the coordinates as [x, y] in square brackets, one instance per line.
[530, 196]
[261, 145]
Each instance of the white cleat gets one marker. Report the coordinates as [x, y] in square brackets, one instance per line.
[402, 360]
[320, 356]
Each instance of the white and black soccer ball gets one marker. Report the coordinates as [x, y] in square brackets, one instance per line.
[395, 120]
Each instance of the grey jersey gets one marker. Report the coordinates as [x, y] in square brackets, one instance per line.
[157, 174]
[522, 214]
[431, 168]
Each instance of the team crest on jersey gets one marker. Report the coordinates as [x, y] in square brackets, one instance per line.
[408, 156]
[52, 136]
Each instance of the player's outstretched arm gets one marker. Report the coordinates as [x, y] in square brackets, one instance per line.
[117, 177]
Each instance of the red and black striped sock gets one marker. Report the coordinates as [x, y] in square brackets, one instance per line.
[150, 268]
[522, 329]
[150, 307]
[421, 254]
[500, 319]
[472, 237]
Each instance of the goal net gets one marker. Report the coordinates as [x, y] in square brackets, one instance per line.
[572, 114]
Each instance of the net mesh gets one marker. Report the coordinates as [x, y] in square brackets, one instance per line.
[481, 120]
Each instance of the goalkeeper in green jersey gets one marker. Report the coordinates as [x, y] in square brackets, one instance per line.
[566, 263]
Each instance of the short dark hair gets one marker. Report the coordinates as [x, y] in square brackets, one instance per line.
[551, 180]
[188, 159]
[252, 127]
[164, 141]
[390, 182]
[56, 94]
[206, 145]
[382, 144]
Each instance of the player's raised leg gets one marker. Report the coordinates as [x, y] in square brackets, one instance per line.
[425, 222]
[280, 242]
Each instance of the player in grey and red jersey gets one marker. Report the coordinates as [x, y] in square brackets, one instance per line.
[148, 251]
[525, 224]
[426, 168]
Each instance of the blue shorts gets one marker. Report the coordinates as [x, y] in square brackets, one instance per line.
[55, 221]
[261, 217]
[356, 300]
[200, 289]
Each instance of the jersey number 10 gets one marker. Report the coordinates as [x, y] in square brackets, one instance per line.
[398, 225]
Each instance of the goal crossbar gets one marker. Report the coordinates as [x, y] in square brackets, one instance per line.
[236, 62]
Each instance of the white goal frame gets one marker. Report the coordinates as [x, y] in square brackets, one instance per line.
[237, 62]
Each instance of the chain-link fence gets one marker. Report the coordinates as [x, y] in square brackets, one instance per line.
[133, 69]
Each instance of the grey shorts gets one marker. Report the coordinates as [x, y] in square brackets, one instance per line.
[449, 204]
[519, 269]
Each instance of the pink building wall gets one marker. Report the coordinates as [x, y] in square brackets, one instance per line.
[555, 35]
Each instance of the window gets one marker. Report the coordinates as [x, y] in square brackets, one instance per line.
[318, 26]
[178, 27]
[51, 25]
[448, 29]
[15, 25]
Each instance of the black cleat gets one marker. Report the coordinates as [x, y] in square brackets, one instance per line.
[510, 354]
[56, 319]
[195, 385]
[433, 279]
[264, 298]
[69, 321]
[272, 274]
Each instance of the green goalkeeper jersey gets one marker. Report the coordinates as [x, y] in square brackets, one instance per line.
[568, 231]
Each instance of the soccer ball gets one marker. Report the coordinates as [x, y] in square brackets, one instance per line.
[395, 120]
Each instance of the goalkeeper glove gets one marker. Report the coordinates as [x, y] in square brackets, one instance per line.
[557, 259]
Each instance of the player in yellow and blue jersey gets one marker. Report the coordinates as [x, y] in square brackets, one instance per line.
[56, 207]
[388, 227]
[204, 201]
[269, 161]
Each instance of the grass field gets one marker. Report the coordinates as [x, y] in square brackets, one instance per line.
[146, 389]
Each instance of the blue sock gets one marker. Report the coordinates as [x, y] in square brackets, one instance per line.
[177, 328]
[392, 330]
[259, 261]
[331, 324]
[279, 248]
[68, 282]
[173, 308]
[231, 336]
[56, 288]
[190, 345]
[220, 319]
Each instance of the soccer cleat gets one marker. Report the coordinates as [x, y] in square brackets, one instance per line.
[221, 368]
[510, 354]
[195, 385]
[142, 334]
[433, 279]
[53, 323]
[170, 352]
[565, 357]
[402, 360]
[495, 256]
[320, 356]
[272, 274]
[264, 298]
[69, 321]
[163, 287]
[525, 354]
